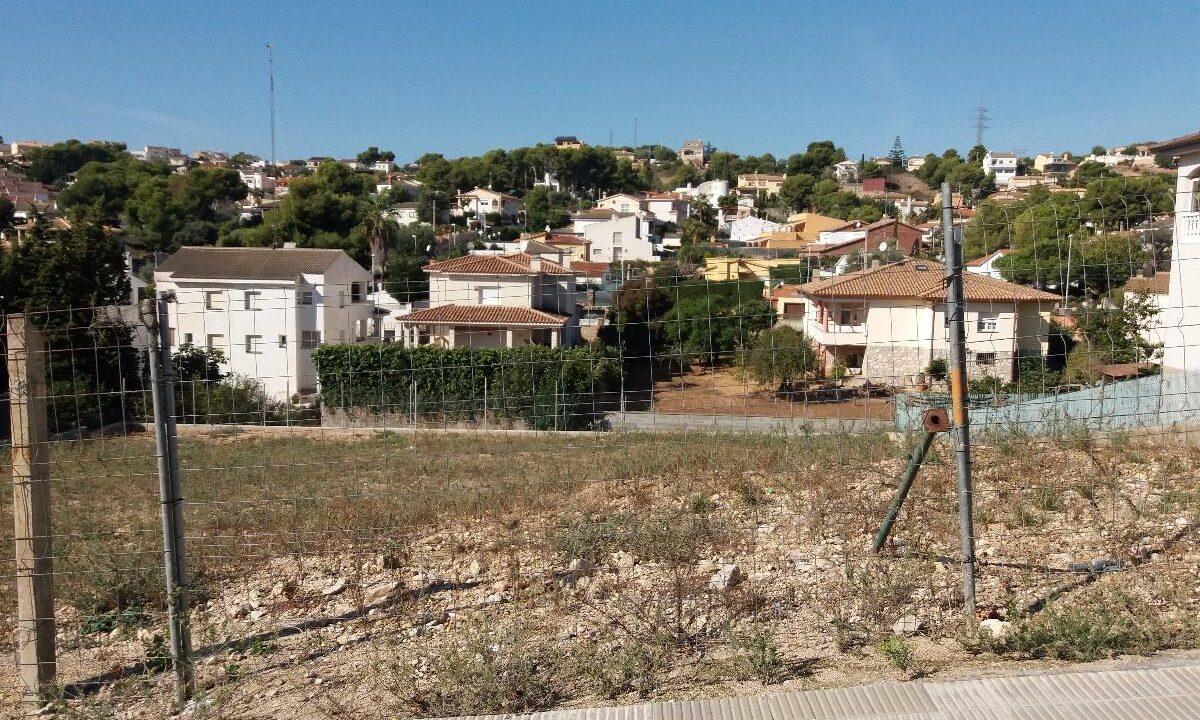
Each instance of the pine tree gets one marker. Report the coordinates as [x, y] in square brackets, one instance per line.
[897, 154]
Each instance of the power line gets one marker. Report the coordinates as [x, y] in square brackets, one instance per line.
[981, 123]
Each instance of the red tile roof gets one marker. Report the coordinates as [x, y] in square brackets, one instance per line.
[512, 264]
[1156, 284]
[589, 268]
[923, 279]
[483, 315]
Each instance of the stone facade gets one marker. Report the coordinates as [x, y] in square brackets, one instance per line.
[901, 364]
[893, 364]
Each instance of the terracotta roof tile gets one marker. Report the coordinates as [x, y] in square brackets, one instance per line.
[511, 264]
[920, 279]
[1156, 284]
[483, 315]
[589, 268]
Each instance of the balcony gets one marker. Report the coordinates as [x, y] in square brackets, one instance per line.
[1187, 227]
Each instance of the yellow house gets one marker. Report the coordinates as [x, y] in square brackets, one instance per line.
[805, 227]
[733, 268]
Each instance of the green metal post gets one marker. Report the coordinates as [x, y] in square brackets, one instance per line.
[906, 481]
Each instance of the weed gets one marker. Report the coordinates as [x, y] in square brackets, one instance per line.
[158, 658]
[899, 652]
[1105, 627]
[699, 504]
[503, 670]
[617, 668]
[758, 657]
[108, 621]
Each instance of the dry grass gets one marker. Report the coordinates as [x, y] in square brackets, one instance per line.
[480, 531]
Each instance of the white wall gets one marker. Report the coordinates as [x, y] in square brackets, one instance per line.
[1179, 318]
[634, 241]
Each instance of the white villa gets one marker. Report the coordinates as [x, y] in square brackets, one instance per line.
[614, 236]
[267, 309]
[886, 323]
[1001, 164]
[1179, 316]
[481, 202]
[496, 301]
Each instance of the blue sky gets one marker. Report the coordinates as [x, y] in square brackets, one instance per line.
[463, 77]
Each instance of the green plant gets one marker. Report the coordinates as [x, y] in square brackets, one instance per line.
[548, 388]
[494, 670]
[699, 504]
[758, 657]
[1105, 626]
[108, 621]
[620, 667]
[985, 385]
[937, 369]
[899, 652]
[158, 658]
[838, 372]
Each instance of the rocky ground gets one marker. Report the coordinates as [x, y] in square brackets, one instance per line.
[724, 570]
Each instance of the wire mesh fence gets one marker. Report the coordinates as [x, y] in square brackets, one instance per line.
[496, 496]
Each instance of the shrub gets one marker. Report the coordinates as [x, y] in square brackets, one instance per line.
[758, 657]
[899, 652]
[616, 668]
[504, 670]
[547, 387]
[1109, 626]
[781, 355]
[937, 369]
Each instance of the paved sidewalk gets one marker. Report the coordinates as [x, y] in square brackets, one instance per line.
[1166, 689]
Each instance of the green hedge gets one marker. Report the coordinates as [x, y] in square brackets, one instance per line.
[548, 388]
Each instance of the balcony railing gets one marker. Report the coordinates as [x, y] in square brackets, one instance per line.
[844, 329]
[1187, 226]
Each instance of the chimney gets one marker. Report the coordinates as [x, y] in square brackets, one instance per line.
[535, 263]
[876, 263]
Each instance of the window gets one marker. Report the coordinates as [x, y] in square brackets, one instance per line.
[214, 300]
[341, 298]
[309, 339]
[988, 358]
[252, 299]
[616, 254]
[624, 207]
[283, 341]
[389, 336]
[489, 296]
[987, 322]
[187, 338]
[356, 292]
[254, 344]
[616, 238]
[216, 342]
[305, 297]
[794, 309]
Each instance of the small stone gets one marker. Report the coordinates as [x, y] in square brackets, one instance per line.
[997, 629]
[1103, 564]
[336, 587]
[623, 560]
[726, 577]
[494, 598]
[908, 625]
[1059, 561]
[380, 592]
[1182, 522]
[257, 614]
[577, 570]
[475, 569]
[145, 636]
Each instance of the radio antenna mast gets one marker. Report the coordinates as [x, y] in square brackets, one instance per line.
[271, 78]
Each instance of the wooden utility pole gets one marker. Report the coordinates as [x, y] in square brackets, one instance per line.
[31, 507]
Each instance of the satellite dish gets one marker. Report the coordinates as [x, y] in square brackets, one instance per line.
[883, 246]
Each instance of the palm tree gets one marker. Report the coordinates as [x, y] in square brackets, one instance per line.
[379, 229]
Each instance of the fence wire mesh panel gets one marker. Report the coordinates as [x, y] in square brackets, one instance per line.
[529, 480]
